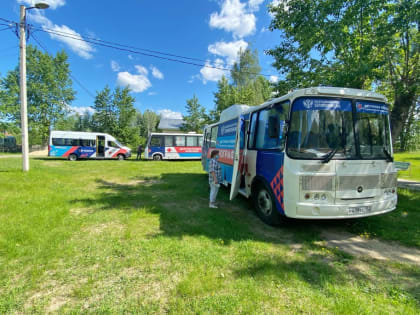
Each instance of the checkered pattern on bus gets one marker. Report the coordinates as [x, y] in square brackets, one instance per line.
[277, 187]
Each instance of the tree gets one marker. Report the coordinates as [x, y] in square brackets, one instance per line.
[247, 87]
[104, 118]
[148, 122]
[246, 69]
[49, 92]
[359, 44]
[196, 116]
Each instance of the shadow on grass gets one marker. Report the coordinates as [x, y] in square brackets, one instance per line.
[181, 201]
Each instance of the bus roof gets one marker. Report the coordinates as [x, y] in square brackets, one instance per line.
[79, 134]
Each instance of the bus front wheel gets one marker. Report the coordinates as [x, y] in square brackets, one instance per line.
[265, 205]
[72, 157]
[157, 157]
[120, 157]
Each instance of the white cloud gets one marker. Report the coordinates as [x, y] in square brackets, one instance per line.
[136, 82]
[115, 66]
[151, 93]
[156, 72]
[130, 57]
[236, 17]
[274, 79]
[229, 50]
[254, 5]
[81, 48]
[54, 4]
[81, 110]
[167, 113]
[142, 70]
[212, 74]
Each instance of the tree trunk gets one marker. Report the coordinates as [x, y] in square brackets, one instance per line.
[400, 112]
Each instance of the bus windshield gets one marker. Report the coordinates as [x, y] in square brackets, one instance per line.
[323, 128]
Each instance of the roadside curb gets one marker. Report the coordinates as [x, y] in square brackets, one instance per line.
[408, 184]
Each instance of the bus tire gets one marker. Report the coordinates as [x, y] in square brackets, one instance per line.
[265, 204]
[157, 157]
[72, 157]
[120, 157]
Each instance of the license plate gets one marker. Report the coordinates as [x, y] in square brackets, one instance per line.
[359, 210]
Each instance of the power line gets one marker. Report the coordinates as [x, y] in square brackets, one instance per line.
[71, 75]
[136, 50]
[123, 48]
[120, 45]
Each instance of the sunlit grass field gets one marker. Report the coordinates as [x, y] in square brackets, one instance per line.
[138, 237]
[414, 158]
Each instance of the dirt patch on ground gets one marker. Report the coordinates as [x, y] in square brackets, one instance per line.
[358, 246]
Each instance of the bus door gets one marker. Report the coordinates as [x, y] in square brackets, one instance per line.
[238, 157]
[100, 146]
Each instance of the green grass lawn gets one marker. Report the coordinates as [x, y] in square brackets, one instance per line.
[113, 237]
[414, 159]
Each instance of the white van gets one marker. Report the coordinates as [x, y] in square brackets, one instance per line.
[86, 145]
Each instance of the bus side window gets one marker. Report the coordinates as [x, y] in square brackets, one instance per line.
[112, 144]
[213, 138]
[169, 141]
[180, 141]
[192, 141]
[200, 141]
[156, 141]
[251, 139]
[85, 142]
[57, 141]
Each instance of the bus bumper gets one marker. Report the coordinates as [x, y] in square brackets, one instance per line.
[344, 211]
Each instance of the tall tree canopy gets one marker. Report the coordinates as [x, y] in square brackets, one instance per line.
[196, 116]
[247, 87]
[115, 114]
[358, 43]
[49, 90]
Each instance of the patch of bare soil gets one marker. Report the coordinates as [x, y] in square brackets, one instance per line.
[358, 246]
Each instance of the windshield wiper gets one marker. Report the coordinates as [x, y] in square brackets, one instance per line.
[330, 155]
[388, 155]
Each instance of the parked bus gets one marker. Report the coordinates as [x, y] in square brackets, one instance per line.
[173, 146]
[86, 145]
[315, 153]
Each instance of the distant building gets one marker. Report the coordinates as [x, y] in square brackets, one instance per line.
[170, 125]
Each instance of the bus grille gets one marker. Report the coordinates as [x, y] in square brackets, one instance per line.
[389, 180]
[352, 182]
[317, 183]
[317, 168]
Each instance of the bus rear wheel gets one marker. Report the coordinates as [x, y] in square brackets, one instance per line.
[157, 157]
[265, 205]
[72, 157]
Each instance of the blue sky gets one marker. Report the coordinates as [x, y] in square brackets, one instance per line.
[209, 30]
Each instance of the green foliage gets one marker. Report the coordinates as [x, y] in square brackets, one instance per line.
[148, 122]
[115, 114]
[196, 116]
[358, 44]
[49, 92]
[247, 86]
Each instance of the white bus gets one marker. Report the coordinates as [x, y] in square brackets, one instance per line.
[86, 145]
[315, 153]
[173, 146]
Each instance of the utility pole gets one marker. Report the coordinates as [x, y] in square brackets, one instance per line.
[23, 96]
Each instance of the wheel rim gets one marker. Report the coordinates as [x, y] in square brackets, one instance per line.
[264, 202]
[72, 157]
[120, 157]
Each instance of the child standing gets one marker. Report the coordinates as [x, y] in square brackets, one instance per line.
[215, 176]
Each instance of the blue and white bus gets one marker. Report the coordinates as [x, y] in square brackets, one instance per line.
[315, 153]
[174, 146]
[86, 145]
